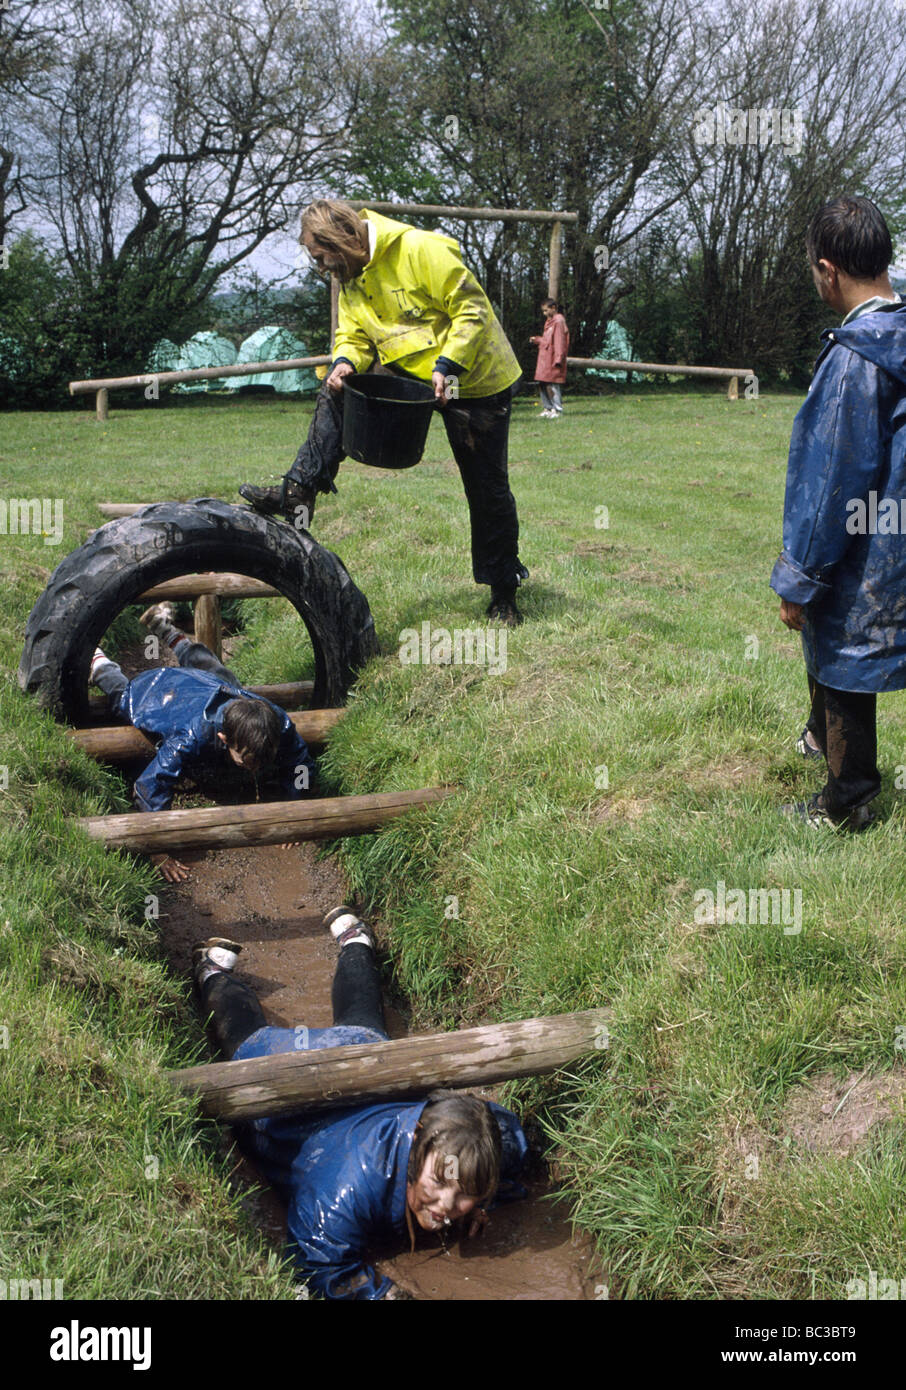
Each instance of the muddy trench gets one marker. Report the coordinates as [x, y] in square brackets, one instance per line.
[273, 901]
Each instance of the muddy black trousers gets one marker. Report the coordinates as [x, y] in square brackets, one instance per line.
[843, 724]
[478, 431]
[355, 996]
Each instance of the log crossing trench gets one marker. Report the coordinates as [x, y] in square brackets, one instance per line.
[273, 900]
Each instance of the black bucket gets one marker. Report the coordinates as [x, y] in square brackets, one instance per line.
[385, 419]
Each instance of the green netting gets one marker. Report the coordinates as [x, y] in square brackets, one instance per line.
[617, 348]
[275, 345]
[205, 350]
[163, 357]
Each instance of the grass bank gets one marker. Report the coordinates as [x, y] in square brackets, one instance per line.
[628, 761]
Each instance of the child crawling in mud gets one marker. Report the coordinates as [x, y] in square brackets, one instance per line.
[364, 1173]
[199, 711]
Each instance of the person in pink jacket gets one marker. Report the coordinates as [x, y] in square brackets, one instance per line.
[553, 347]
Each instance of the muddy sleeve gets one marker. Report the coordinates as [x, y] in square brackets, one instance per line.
[836, 458]
[325, 1241]
[153, 791]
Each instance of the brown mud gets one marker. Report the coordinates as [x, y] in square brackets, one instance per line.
[273, 900]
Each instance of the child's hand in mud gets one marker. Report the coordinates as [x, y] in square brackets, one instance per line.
[170, 868]
[477, 1220]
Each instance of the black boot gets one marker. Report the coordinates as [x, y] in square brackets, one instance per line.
[287, 498]
[502, 608]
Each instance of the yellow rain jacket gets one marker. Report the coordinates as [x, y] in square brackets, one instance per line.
[415, 301]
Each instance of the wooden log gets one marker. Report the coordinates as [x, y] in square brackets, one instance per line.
[290, 696]
[119, 743]
[467, 214]
[122, 508]
[113, 383]
[208, 625]
[553, 278]
[271, 823]
[194, 585]
[101, 404]
[677, 369]
[286, 1082]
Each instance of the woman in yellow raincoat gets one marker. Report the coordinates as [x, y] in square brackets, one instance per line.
[408, 302]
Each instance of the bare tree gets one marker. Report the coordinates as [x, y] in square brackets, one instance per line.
[177, 137]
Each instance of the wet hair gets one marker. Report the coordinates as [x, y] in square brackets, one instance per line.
[252, 729]
[850, 233]
[339, 229]
[460, 1128]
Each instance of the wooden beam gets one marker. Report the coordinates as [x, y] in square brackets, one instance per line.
[466, 214]
[113, 383]
[119, 743]
[122, 508]
[194, 585]
[270, 823]
[404, 1068]
[676, 368]
[289, 695]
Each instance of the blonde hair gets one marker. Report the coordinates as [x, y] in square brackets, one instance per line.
[339, 229]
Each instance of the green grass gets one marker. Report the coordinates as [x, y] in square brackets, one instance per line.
[652, 648]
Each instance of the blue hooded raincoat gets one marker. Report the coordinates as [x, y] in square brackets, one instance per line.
[184, 708]
[844, 524]
[343, 1174]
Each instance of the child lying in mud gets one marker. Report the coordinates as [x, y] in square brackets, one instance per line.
[199, 710]
[369, 1172]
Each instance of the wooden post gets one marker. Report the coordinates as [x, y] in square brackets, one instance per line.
[208, 625]
[404, 1068]
[100, 404]
[270, 823]
[119, 743]
[194, 585]
[334, 310]
[733, 389]
[553, 279]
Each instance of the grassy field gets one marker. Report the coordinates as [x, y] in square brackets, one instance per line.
[629, 760]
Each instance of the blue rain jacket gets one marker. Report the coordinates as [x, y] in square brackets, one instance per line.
[844, 547]
[343, 1174]
[184, 708]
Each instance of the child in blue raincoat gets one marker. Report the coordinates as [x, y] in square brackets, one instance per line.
[842, 574]
[199, 711]
[357, 1176]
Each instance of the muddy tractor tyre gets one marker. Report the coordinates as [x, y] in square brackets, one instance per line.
[121, 560]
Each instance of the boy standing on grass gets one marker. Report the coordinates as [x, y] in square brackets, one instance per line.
[842, 574]
[199, 710]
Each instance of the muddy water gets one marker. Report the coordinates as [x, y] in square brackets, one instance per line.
[272, 901]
